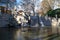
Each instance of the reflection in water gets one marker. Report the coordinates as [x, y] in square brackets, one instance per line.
[28, 35]
[19, 34]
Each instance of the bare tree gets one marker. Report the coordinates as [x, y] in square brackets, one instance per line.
[28, 5]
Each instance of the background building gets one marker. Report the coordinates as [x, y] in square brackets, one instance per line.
[7, 5]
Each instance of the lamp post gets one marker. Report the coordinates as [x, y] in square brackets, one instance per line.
[57, 24]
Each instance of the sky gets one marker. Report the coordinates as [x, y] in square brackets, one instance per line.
[21, 0]
[18, 1]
